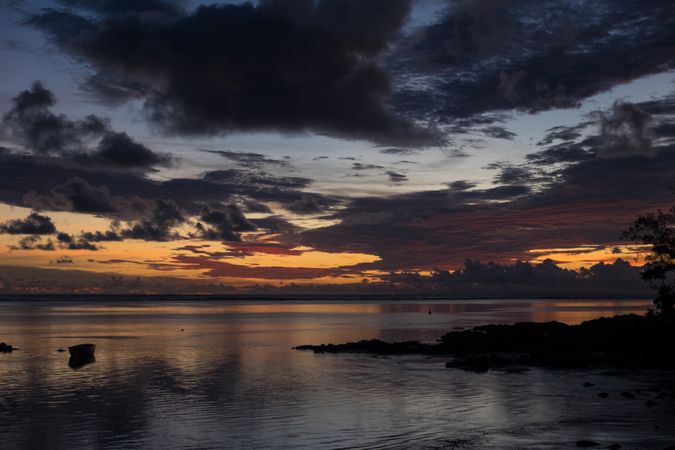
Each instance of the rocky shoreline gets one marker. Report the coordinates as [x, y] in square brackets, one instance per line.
[620, 342]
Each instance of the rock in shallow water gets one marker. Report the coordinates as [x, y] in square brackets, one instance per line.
[6, 348]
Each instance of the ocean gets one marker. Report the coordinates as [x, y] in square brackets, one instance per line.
[197, 374]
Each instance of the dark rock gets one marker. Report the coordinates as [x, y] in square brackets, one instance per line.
[603, 395]
[478, 363]
[76, 362]
[586, 443]
[61, 350]
[516, 370]
[662, 395]
[373, 346]
[81, 355]
[588, 384]
[650, 403]
[629, 395]
[82, 350]
[618, 343]
[6, 348]
[614, 446]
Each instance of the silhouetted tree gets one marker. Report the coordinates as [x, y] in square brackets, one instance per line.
[657, 229]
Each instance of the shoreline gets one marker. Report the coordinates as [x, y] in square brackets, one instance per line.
[620, 342]
[309, 297]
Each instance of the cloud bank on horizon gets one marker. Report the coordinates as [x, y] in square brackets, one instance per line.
[331, 141]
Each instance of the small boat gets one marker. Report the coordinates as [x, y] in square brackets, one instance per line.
[82, 350]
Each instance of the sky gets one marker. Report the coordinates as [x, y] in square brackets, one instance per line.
[329, 142]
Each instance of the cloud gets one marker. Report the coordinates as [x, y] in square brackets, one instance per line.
[360, 166]
[69, 242]
[497, 132]
[75, 195]
[315, 67]
[258, 178]
[64, 260]
[515, 175]
[276, 224]
[118, 149]
[462, 185]
[159, 226]
[125, 6]
[625, 131]
[523, 278]
[248, 159]
[539, 204]
[306, 204]
[35, 224]
[34, 242]
[31, 124]
[399, 151]
[225, 223]
[396, 177]
[484, 56]
[50, 183]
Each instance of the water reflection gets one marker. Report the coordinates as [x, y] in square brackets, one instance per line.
[77, 362]
[230, 380]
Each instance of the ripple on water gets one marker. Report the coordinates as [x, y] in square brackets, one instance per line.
[232, 381]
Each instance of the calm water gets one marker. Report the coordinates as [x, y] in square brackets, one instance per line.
[231, 380]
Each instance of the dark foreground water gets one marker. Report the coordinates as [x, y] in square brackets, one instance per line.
[231, 380]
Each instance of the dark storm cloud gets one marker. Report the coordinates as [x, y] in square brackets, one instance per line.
[224, 223]
[50, 183]
[396, 177]
[626, 131]
[244, 177]
[306, 204]
[276, 224]
[250, 160]
[34, 242]
[111, 235]
[514, 175]
[77, 244]
[569, 152]
[360, 166]
[399, 151]
[33, 224]
[563, 133]
[584, 191]
[523, 278]
[462, 185]
[118, 149]
[497, 132]
[531, 55]
[315, 65]
[111, 91]
[75, 195]
[159, 226]
[125, 6]
[253, 206]
[36, 226]
[31, 124]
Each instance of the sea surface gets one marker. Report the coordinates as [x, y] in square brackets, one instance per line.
[222, 374]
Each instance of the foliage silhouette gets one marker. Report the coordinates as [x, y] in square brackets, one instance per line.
[657, 229]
